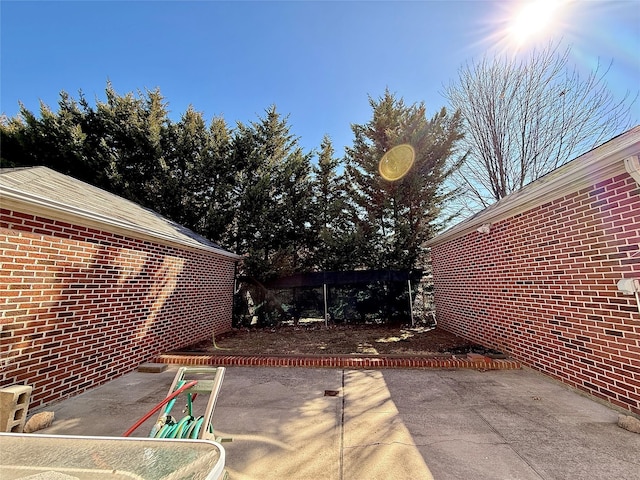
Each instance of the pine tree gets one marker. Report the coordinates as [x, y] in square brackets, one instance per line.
[332, 250]
[393, 219]
[196, 173]
[273, 196]
[132, 128]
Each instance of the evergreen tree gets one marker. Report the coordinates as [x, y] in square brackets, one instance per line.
[393, 219]
[332, 250]
[273, 196]
[13, 151]
[54, 139]
[128, 146]
[194, 166]
[252, 190]
[220, 173]
[132, 128]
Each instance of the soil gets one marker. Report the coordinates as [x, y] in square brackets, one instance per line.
[318, 339]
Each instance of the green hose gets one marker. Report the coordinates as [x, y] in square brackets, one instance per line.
[169, 406]
[187, 427]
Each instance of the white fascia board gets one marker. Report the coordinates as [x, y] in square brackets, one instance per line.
[605, 161]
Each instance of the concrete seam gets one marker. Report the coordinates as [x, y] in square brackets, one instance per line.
[509, 444]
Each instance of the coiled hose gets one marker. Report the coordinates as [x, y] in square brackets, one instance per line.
[187, 427]
[167, 427]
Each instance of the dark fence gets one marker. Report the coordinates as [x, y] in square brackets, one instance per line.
[361, 296]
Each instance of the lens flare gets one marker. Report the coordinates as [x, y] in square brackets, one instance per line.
[523, 25]
[533, 19]
[397, 162]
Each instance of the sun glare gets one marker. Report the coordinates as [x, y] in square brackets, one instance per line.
[533, 20]
[521, 25]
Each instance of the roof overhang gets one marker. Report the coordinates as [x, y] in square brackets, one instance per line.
[618, 155]
[31, 204]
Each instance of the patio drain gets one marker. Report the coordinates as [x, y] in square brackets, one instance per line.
[331, 393]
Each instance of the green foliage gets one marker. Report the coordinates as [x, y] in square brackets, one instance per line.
[12, 141]
[393, 219]
[252, 189]
[273, 198]
[332, 226]
[131, 130]
[53, 138]
[127, 145]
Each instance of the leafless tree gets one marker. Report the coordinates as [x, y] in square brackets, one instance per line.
[523, 118]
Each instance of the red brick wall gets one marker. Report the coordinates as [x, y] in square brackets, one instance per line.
[542, 288]
[81, 306]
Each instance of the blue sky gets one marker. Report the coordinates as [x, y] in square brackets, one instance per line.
[316, 61]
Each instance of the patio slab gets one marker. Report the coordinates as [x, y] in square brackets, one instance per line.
[401, 424]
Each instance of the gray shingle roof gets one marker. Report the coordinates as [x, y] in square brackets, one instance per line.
[48, 193]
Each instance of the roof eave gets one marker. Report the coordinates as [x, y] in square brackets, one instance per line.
[13, 199]
[605, 161]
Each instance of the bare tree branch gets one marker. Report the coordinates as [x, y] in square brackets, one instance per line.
[524, 118]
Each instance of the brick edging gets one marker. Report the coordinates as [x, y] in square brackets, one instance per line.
[477, 362]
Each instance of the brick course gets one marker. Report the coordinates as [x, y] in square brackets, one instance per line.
[478, 362]
[541, 287]
[80, 306]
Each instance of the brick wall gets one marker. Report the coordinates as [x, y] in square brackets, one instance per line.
[541, 286]
[80, 306]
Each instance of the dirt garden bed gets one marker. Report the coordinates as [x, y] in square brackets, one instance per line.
[316, 338]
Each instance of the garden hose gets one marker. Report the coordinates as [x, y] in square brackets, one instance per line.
[188, 427]
[168, 426]
[170, 404]
[213, 336]
[168, 399]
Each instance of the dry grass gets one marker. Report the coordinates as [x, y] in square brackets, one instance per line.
[315, 338]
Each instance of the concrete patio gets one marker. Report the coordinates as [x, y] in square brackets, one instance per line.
[383, 424]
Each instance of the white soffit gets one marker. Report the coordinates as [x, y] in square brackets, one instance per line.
[606, 161]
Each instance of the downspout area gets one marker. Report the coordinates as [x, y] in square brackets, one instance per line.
[235, 289]
[632, 166]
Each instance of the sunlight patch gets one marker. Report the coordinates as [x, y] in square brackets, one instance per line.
[366, 348]
[405, 334]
